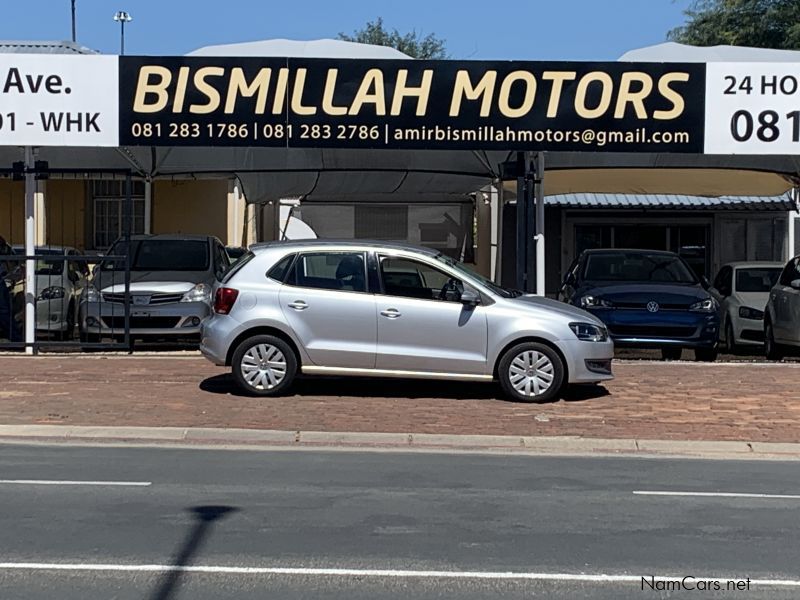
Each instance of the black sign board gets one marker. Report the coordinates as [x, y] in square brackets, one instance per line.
[511, 105]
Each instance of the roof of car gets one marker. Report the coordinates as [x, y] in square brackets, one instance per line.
[623, 250]
[754, 263]
[300, 244]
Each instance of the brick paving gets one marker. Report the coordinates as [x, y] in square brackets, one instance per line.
[647, 400]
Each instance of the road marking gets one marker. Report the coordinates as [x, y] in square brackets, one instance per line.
[386, 573]
[718, 495]
[67, 482]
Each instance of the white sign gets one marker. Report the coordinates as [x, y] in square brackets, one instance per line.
[48, 100]
[752, 108]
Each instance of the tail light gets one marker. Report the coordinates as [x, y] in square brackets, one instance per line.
[224, 299]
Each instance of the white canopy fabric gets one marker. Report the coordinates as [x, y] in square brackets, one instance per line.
[301, 49]
[674, 52]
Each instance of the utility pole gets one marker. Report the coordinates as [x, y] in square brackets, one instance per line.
[74, 36]
[122, 17]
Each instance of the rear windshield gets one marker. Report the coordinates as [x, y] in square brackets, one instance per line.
[637, 267]
[754, 279]
[162, 255]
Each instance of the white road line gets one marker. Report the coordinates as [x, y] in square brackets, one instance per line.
[386, 573]
[718, 495]
[67, 482]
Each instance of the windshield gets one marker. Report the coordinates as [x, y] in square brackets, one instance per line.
[46, 267]
[637, 267]
[759, 279]
[461, 268]
[162, 255]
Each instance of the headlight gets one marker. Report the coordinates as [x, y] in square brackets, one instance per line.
[594, 301]
[199, 293]
[588, 332]
[51, 293]
[746, 312]
[90, 294]
[707, 305]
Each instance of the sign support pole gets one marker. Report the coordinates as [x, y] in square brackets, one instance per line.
[30, 250]
[539, 237]
[522, 224]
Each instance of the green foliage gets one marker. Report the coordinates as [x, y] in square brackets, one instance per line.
[756, 23]
[412, 43]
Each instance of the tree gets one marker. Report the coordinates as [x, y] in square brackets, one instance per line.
[412, 43]
[757, 23]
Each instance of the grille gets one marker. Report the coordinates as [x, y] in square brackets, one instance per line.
[643, 306]
[651, 331]
[142, 322]
[154, 298]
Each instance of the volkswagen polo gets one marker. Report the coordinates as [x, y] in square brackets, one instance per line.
[379, 309]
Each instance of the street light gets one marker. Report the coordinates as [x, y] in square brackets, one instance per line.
[73, 21]
[122, 17]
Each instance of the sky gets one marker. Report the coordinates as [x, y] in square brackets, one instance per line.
[487, 29]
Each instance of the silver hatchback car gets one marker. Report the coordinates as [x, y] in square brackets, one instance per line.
[380, 309]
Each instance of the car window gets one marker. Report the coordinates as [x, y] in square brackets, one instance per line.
[756, 279]
[636, 267]
[791, 272]
[411, 278]
[279, 270]
[345, 271]
[222, 261]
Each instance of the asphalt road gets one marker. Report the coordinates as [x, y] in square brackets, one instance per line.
[127, 523]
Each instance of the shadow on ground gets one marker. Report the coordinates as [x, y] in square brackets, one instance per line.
[370, 387]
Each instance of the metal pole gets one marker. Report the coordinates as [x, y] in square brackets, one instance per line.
[522, 222]
[127, 218]
[530, 223]
[539, 237]
[30, 250]
[122, 38]
[74, 37]
[791, 219]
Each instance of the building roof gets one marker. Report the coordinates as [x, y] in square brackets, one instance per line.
[674, 52]
[672, 201]
[43, 47]
[301, 48]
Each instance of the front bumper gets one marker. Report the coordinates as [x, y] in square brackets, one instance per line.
[176, 319]
[52, 315]
[587, 362]
[666, 328]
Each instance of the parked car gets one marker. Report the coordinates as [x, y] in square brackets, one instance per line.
[742, 289]
[782, 318]
[171, 283]
[647, 299]
[391, 310]
[59, 285]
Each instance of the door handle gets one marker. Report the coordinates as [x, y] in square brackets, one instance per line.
[391, 313]
[298, 305]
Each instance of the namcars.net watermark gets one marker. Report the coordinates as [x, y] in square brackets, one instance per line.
[690, 583]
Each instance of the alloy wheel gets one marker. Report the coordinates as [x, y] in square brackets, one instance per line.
[263, 366]
[531, 373]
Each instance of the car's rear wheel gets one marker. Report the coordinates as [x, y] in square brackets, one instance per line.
[772, 349]
[264, 365]
[706, 354]
[531, 372]
[671, 353]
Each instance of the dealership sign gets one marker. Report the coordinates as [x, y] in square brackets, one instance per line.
[716, 108]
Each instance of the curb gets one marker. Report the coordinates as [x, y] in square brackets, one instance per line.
[255, 439]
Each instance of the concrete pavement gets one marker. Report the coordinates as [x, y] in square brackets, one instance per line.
[680, 401]
[227, 524]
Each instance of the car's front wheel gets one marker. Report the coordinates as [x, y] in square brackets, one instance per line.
[264, 365]
[730, 338]
[531, 372]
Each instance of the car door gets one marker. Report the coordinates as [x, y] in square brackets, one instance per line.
[420, 331]
[786, 303]
[326, 302]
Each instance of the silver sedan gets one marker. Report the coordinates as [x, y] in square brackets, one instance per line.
[390, 310]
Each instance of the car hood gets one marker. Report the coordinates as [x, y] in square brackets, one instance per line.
[529, 301]
[638, 293]
[167, 282]
[757, 300]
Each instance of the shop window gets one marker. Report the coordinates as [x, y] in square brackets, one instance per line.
[108, 204]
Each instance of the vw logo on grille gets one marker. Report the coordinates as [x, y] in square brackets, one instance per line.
[652, 306]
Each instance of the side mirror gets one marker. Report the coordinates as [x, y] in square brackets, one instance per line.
[470, 298]
[704, 282]
[795, 284]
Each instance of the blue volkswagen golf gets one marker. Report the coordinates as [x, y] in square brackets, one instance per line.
[647, 299]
